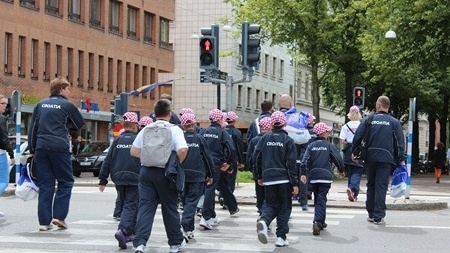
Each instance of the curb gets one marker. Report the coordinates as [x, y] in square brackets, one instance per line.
[398, 204]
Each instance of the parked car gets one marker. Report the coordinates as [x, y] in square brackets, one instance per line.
[91, 158]
[23, 154]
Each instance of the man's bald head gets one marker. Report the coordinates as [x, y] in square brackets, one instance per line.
[383, 103]
[285, 101]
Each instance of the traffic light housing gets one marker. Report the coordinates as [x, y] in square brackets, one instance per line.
[208, 55]
[119, 104]
[359, 94]
[251, 46]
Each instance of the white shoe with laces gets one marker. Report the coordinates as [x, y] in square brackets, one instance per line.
[176, 248]
[281, 243]
[206, 224]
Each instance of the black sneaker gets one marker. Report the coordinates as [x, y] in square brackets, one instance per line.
[324, 225]
[234, 212]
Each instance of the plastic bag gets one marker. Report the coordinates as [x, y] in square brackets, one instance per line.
[398, 185]
[26, 189]
[300, 136]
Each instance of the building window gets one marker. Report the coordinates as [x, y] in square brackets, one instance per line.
[91, 69]
[114, 17]
[274, 96]
[52, 6]
[299, 84]
[152, 80]
[132, 22]
[249, 96]
[274, 67]
[21, 56]
[119, 80]
[95, 13]
[34, 58]
[8, 53]
[136, 77]
[110, 74]
[101, 70]
[281, 76]
[307, 92]
[144, 79]
[148, 27]
[258, 95]
[58, 60]
[239, 98]
[266, 64]
[70, 65]
[32, 4]
[164, 33]
[80, 78]
[266, 95]
[127, 75]
[47, 60]
[75, 10]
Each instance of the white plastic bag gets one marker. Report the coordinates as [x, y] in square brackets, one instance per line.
[26, 189]
[398, 185]
[300, 136]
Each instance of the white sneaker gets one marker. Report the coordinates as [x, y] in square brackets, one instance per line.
[205, 224]
[140, 249]
[214, 221]
[2, 214]
[281, 243]
[176, 248]
[261, 228]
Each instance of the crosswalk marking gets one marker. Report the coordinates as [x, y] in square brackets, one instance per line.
[97, 235]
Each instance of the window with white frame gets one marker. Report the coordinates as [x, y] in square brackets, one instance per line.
[281, 76]
[164, 33]
[8, 53]
[21, 57]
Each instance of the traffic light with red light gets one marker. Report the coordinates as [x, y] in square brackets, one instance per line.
[359, 94]
[207, 53]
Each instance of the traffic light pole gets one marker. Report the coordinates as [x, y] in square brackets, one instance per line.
[229, 83]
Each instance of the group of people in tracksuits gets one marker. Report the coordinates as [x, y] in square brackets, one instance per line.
[283, 169]
[218, 147]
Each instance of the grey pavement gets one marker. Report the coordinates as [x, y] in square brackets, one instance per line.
[425, 193]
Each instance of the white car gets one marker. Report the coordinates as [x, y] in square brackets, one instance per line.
[24, 154]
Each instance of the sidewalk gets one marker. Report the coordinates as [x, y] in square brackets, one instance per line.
[425, 194]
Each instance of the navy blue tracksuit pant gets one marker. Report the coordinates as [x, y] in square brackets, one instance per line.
[320, 201]
[278, 205]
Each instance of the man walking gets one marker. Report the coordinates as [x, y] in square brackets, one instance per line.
[154, 187]
[49, 141]
[385, 149]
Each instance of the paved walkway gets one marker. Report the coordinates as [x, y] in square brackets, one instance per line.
[425, 194]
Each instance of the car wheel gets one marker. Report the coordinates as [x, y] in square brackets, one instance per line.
[96, 173]
[77, 173]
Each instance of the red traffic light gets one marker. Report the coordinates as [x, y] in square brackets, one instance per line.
[359, 92]
[206, 44]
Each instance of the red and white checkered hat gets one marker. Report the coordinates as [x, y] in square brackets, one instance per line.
[215, 115]
[186, 110]
[145, 121]
[130, 117]
[231, 116]
[265, 123]
[321, 128]
[278, 118]
[121, 131]
[187, 118]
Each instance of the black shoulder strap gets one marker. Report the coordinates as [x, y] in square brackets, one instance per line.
[350, 129]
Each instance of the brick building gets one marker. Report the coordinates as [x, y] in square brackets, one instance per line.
[103, 47]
